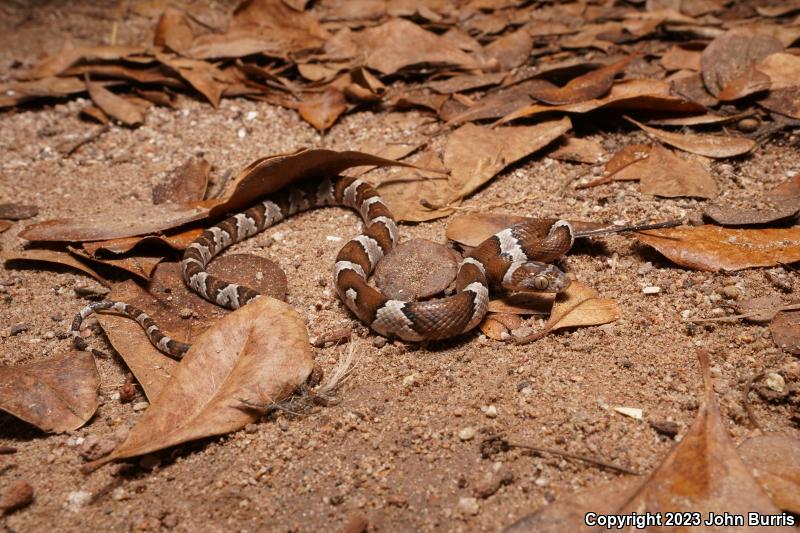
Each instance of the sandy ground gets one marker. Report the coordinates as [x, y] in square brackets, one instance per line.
[391, 451]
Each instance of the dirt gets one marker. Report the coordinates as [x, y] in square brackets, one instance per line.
[402, 448]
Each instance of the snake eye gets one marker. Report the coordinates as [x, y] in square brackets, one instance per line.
[540, 283]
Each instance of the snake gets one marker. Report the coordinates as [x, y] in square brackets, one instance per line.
[514, 259]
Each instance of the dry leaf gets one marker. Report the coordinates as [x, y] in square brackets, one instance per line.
[716, 146]
[496, 326]
[113, 105]
[57, 394]
[256, 356]
[774, 463]
[511, 50]
[52, 256]
[460, 84]
[184, 184]
[18, 211]
[475, 154]
[730, 55]
[415, 269]
[714, 248]
[4, 225]
[702, 474]
[523, 303]
[474, 228]
[173, 31]
[586, 87]
[139, 265]
[678, 58]
[650, 95]
[68, 56]
[785, 329]
[322, 110]
[176, 241]
[664, 173]
[783, 101]
[205, 77]
[578, 306]
[579, 150]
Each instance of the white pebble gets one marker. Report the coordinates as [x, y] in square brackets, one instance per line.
[651, 290]
[242, 133]
[77, 499]
[469, 505]
[140, 406]
[251, 115]
[490, 411]
[467, 433]
[333, 238]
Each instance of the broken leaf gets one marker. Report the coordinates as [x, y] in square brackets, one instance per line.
[57, 394]
[773, 460]
[18, 211]
[52, 256]
[730, 55]
[184, 184]
[496, 326]
[715, 248]
[586, 87]
[322, 110]
[256, 356]
[664, 173]
[578, 150]
[113, 105]
[785, 329]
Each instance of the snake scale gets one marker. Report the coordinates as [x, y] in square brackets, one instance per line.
[513, 259]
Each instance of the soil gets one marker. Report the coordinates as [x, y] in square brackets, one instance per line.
[402, 449]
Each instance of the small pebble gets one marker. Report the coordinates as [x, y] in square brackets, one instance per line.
[410, 380]
[748, 124]
[379, 342]
[185, 313]
[469, 505]
[250, 428]
[731, 292]
[775, 382]
[16, 496]
[91, 292]
[651, 290]
[490, 411]
[16, 329]
[77, 499]
[140, 406]
[667, 428]
[467, 433]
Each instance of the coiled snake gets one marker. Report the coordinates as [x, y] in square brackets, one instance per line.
[515, 258]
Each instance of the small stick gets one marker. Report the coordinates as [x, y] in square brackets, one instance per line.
[7, 450]
[628, 228]
[336, 336]
[584, 458]
[746, 400]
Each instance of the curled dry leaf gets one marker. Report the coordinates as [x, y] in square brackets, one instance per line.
[173, 31]
[51, 256]
[774, 463]
[762, 212]
[404, 191]
[138, 265]
[417, 268]
[16, 496]
[497, 325]
[184, 184]
[469, 82]
[716, 146]
[176, 241]
[57, 394]
[702, 474]
[113, 105]
[578, 306]
[785, 329]
[4, 225]
[256, 356]
[650, 95]
[585, 87]
[579, 151]
[731, 54]
[714, 248]
[259, 178]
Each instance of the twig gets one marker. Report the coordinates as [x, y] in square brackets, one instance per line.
[68, 150]
[628, 228]
[746, 400]
[579, 457]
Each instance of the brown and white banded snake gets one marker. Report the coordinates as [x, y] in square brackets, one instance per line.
[513, 259]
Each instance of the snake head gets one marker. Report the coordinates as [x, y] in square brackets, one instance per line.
[532, 276]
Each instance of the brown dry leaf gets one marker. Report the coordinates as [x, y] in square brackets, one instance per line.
[113, 105]
[731, 54]
[176, 241]
[578, 306]
[4, 225]
[399, 43]
[52, 256]
[716, 146]
[678, 58]
[364, 87]
[700, 120]
[276, 16]
[475, 154]
[184, 184]
[206, 78]
[404, 191]
[140, 265]
[17, 92]
[459, 84]
[702, 474]
[578, 150]
[586, 87]
[692, 88]
[783, 101]
[785, 329]
[649, 95]
[760, 310]
[779, 9]
[255, 356]
[523, 303]
[751, 82]
[511, 49]
[783, 70]
[626, 156]
[259, 178]
[18, 211]
[415, 269]
[775, 465]
[68, 56]
[57, 394]
[322, 110]
[714, 248]
[664, 173]
[173, 31]
[762, 211]
[496, 326]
